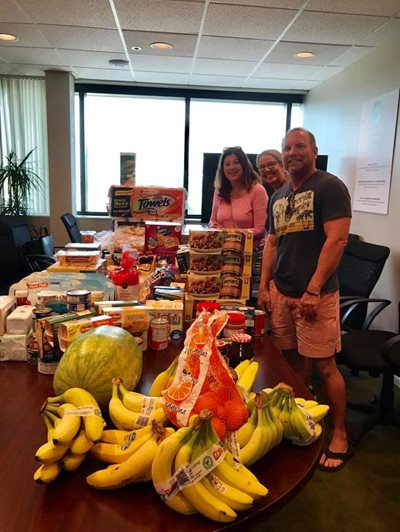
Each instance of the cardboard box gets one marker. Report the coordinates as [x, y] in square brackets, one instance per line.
[7, 305]
[68, 331]
[170, 310]
[132, 319]
[100, 267]
[120, 201]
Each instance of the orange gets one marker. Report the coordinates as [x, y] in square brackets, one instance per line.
[206, 401]
[180, 391]
[236, 414]
[219, 426]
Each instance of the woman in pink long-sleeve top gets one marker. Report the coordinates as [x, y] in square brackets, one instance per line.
[240, 200]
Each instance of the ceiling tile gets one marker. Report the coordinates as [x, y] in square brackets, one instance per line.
[272, 84]
[250, 22]
[183, 45]
[95, 39]
[155, 63]
[326, 72]
[332, 28]
[283, 4]
[324, 53]
[87, 13]
[388, 31]
[231, 48]
[273, 70]
[10, 12]
[28, 35]
[366, 7]
[46, 56]
[223, 67]
[160, 16]
[353, 54]
[162, 78]
[78, 58]
[113, 75]
[216, 81]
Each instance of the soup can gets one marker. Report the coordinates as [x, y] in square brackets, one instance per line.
[78, 300]
[159, 333]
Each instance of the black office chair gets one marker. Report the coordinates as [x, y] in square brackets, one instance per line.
[362, 351]
[72, 227]
[359, 270]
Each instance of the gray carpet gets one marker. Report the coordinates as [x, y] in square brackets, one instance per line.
[362, 497]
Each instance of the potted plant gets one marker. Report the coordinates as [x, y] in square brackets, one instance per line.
[17, 181]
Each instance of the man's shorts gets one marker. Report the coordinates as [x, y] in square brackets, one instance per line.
[316, 339]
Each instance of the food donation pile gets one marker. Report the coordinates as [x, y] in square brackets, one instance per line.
[194, 436]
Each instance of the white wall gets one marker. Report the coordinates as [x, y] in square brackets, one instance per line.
[333, 113]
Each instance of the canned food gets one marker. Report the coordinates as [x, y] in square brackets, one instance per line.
[259, 322]
[32, 347]
[78, 300]
[41, 312]
[159, 332]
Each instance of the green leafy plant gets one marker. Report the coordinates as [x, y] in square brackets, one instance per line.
[17, 181]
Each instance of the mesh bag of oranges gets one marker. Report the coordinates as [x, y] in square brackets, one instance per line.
[203, 381]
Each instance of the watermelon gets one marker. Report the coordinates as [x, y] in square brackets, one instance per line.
[94, 358]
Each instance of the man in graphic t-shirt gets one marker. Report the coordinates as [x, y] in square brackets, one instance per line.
[309, 224]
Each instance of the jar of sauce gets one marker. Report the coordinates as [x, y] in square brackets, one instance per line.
[236, 324]
[240, 349]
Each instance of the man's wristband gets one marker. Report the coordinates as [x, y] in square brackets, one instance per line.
[312, 293]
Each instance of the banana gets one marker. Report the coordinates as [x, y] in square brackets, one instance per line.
[236, 499]
[245, 432]
[198, 495]
[286, 418]
[68, 426]
[125, 419]
[300, 401]
[318, 412]
[310, 403]
[70, 461]
[47, 473]
[49, 453]
[81, 444]
[131, 470]
[240, 477]
[256, 446]
[162, 380]
[115, 435]
[241, 367]
[115, 453]
[79, 397]
[138, 402]
[303, 430]
[162, 471]
[318, 430]
[246, 381]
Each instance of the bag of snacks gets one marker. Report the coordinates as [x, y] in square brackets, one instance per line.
[203, 380]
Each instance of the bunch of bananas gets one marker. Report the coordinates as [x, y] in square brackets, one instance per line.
[131, 457]
[74, 423]
[192, 472]
[247, 372]
[300, 424]
[132, 410]
[262, 432]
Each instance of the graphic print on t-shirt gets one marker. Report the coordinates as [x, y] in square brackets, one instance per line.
[294, 213]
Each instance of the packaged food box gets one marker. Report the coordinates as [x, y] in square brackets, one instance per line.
[204, 285]
[19, 321]
[99, 305]
[80, 257]
[132, 319]
[87, 236]
[158, 203]
[68, 331]
[13, 347]
[170, 310]
[206, 263]
[7, 305]
[120, 201]
[100, 267]
[162, 238]
[206, 240]
[87, 246]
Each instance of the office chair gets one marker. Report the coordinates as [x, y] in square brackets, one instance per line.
[363, 350]
[72, 227]
[359, 270]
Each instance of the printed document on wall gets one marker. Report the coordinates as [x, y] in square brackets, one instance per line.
[375, 153]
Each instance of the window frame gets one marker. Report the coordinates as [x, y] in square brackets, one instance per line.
[185, 93]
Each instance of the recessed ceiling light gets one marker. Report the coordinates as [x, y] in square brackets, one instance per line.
[8, 37]
[161, 45]
[119, 63]
[136, 48]
[304, 55]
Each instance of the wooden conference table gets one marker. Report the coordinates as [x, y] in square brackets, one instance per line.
[69, 504]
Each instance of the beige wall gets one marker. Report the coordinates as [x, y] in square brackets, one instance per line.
[333, 112]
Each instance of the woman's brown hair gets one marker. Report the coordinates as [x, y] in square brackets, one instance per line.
[222, 183]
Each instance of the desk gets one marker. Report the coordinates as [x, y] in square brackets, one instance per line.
[69, 504]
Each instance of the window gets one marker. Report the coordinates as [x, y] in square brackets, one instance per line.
[168, 130]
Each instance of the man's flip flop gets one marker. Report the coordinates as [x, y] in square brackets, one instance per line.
[344, 457]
